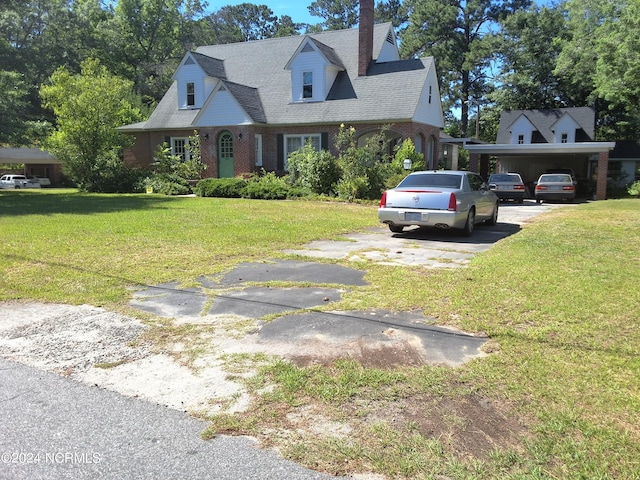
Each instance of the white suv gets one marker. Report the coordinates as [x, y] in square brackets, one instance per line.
[17, 181]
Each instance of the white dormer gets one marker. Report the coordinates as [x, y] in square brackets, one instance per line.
[522, 131]
[194, 85]
[564, 129]
[314, 68]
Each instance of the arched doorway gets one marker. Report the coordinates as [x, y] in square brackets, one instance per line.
[225, 155]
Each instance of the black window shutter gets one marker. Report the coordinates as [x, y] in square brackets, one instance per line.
[167, 140]
[324, 141]
[280, 147]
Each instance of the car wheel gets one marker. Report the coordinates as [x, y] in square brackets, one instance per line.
[396, 228]
[467, 231]
[494, 217]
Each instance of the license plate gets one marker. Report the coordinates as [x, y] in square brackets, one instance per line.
[413, 217]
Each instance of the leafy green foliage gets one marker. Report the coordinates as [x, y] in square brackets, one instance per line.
[364, 169]
[221, 187]
[337, 15]
[89, 107]
[529, 60]
[397, 172]
[634, 189]
[458, 34]
[267, 186]
[171, 175]
[317, 171]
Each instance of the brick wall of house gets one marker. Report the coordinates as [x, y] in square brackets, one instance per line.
[141, 154]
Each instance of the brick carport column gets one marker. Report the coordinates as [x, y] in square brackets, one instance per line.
[601, 181]
[474, 162]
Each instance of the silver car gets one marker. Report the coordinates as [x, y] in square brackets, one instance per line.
[555, 186]
[442, 199]
[507, 186]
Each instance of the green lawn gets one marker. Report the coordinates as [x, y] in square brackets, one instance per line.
[560, 301]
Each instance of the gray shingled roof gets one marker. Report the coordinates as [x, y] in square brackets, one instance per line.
[329, 53]
[211, 66]
[390, 93]
[544, 120]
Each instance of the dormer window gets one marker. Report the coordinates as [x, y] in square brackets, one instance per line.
[191, 94]
[564, 138]
[307, 85]
[520, 139]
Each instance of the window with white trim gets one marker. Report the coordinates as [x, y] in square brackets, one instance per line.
[520, 139]
[564, 138]
[307, 85]
[191, 94]
[296, 142]
[179, 147]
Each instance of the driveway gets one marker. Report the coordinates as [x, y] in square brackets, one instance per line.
[427, 248]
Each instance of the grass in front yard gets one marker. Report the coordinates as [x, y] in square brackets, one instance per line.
[64, 246]
[558, 398]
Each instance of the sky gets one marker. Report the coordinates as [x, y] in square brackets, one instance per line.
[297, 10]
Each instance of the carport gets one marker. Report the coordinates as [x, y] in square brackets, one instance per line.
[33, 161]
[533, 159]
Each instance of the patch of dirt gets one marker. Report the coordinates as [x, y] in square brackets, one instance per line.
[104, 349]
[471, 425]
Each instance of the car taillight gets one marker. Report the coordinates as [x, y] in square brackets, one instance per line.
[568, 187]
[541, 187]
[518, 187]
[383, 200]
[453, 204]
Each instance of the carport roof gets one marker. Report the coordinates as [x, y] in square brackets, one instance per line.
[540, 148]
[31, 156]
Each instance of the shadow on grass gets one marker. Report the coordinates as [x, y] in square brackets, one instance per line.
[49, 202]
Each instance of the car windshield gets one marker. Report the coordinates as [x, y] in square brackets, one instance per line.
[555, 179]
[431, 180]
[504, 177]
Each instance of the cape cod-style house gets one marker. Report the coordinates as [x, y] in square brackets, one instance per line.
[254, 103]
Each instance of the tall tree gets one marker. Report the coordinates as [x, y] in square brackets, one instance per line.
[88, 108]
[248, 22]
[618, 66]
[148, 39]
[391, 11]
[459, 35]
[337, 14]
[528, 47]
[35, 39]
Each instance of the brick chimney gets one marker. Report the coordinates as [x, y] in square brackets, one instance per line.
[365, 35]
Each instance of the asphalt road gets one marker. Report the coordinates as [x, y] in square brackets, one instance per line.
[56, 428]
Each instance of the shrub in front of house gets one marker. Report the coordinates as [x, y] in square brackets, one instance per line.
[317, 172]
[267, 186]
[168, 184]
[634, 189]
[221, 187]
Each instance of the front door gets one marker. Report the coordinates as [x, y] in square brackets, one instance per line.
[225, 156]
